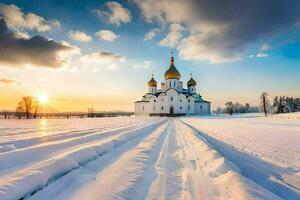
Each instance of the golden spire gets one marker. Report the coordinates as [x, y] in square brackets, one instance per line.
[172, 72]
[172, 58]
[152, 82]
[191, 82]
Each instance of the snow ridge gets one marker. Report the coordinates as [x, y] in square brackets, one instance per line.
[29, 180]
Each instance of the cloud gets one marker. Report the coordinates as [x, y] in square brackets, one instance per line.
[9, 81]
[107, 35]
[102, 59]
[173, 37]
[261, 55]
[36, 51]
[221, 33]
[147, 64]
[16, 19]
[116, 13]
[151, 34]
[80, 36]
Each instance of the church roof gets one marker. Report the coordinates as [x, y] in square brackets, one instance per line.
[152, 82]
[191, 82]
[172, 72]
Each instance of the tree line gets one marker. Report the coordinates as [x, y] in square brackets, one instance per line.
[231, 108]
[280, 104]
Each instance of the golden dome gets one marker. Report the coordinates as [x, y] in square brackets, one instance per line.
[191, 82]
[172, 72]
[152, 82]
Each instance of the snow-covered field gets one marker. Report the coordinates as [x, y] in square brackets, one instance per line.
[215, 157]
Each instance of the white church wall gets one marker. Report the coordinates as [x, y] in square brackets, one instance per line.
[172, 83]
[190, 105]
[162, 103]
[192, 89]
[173, 101]
[152, 89]
[182, 103]
[141, 108]
[180, 86]
[202, 108]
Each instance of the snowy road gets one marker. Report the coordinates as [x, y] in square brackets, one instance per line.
[143, 158]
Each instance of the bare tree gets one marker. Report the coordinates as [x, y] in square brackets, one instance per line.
[27, 105]
[36, 108]
[229, 107]
[264, 102]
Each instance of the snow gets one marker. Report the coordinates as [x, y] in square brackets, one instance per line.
[208, 157]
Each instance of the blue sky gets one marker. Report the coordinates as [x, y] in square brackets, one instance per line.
[232, 58]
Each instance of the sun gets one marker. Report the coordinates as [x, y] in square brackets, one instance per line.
[42, 98]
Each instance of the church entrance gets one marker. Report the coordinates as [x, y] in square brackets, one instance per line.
[171, 110]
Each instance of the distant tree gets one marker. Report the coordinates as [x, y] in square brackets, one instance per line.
[264, 102]
[27, 105]
[219, 110]
[229, 107]
[36, 108]
[91, 112]
[247, 107]
[284, 104]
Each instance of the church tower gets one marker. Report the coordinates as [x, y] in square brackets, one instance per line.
[191, 84]
[152, 85]
[172, 75]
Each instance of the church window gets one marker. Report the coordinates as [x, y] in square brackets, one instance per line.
[154, 108]
[170, 84]
[162, 108]
[200, 107]
[189, 107]
[180, 107]
[143, 108]
[171, 98]
[174, 84]
[188, 100]
[154, 100]
[180, 100]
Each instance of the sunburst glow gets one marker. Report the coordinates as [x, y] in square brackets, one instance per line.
[42, 98]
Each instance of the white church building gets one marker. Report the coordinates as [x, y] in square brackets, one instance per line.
[172, 99]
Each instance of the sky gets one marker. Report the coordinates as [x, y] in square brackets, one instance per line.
[101, 54]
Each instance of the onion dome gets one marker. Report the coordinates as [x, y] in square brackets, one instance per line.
[152, 82]
[172, 72]
[191, 82]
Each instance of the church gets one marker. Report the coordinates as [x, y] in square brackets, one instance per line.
[172, 99]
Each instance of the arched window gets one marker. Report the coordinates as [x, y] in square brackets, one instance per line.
[189, 100]
[171, 98]
[170, 84]
[200, 107]
[143, 108]
[189, 107]
[162, 108]
[154, 100]
[154, 108]
[180, 107]
[180, 100]
[174, 84]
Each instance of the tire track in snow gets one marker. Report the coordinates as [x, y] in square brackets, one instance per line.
[29, 181]
[12, 161]
[197, 185]
[167, 183]
[130, 176]
[255, 175]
